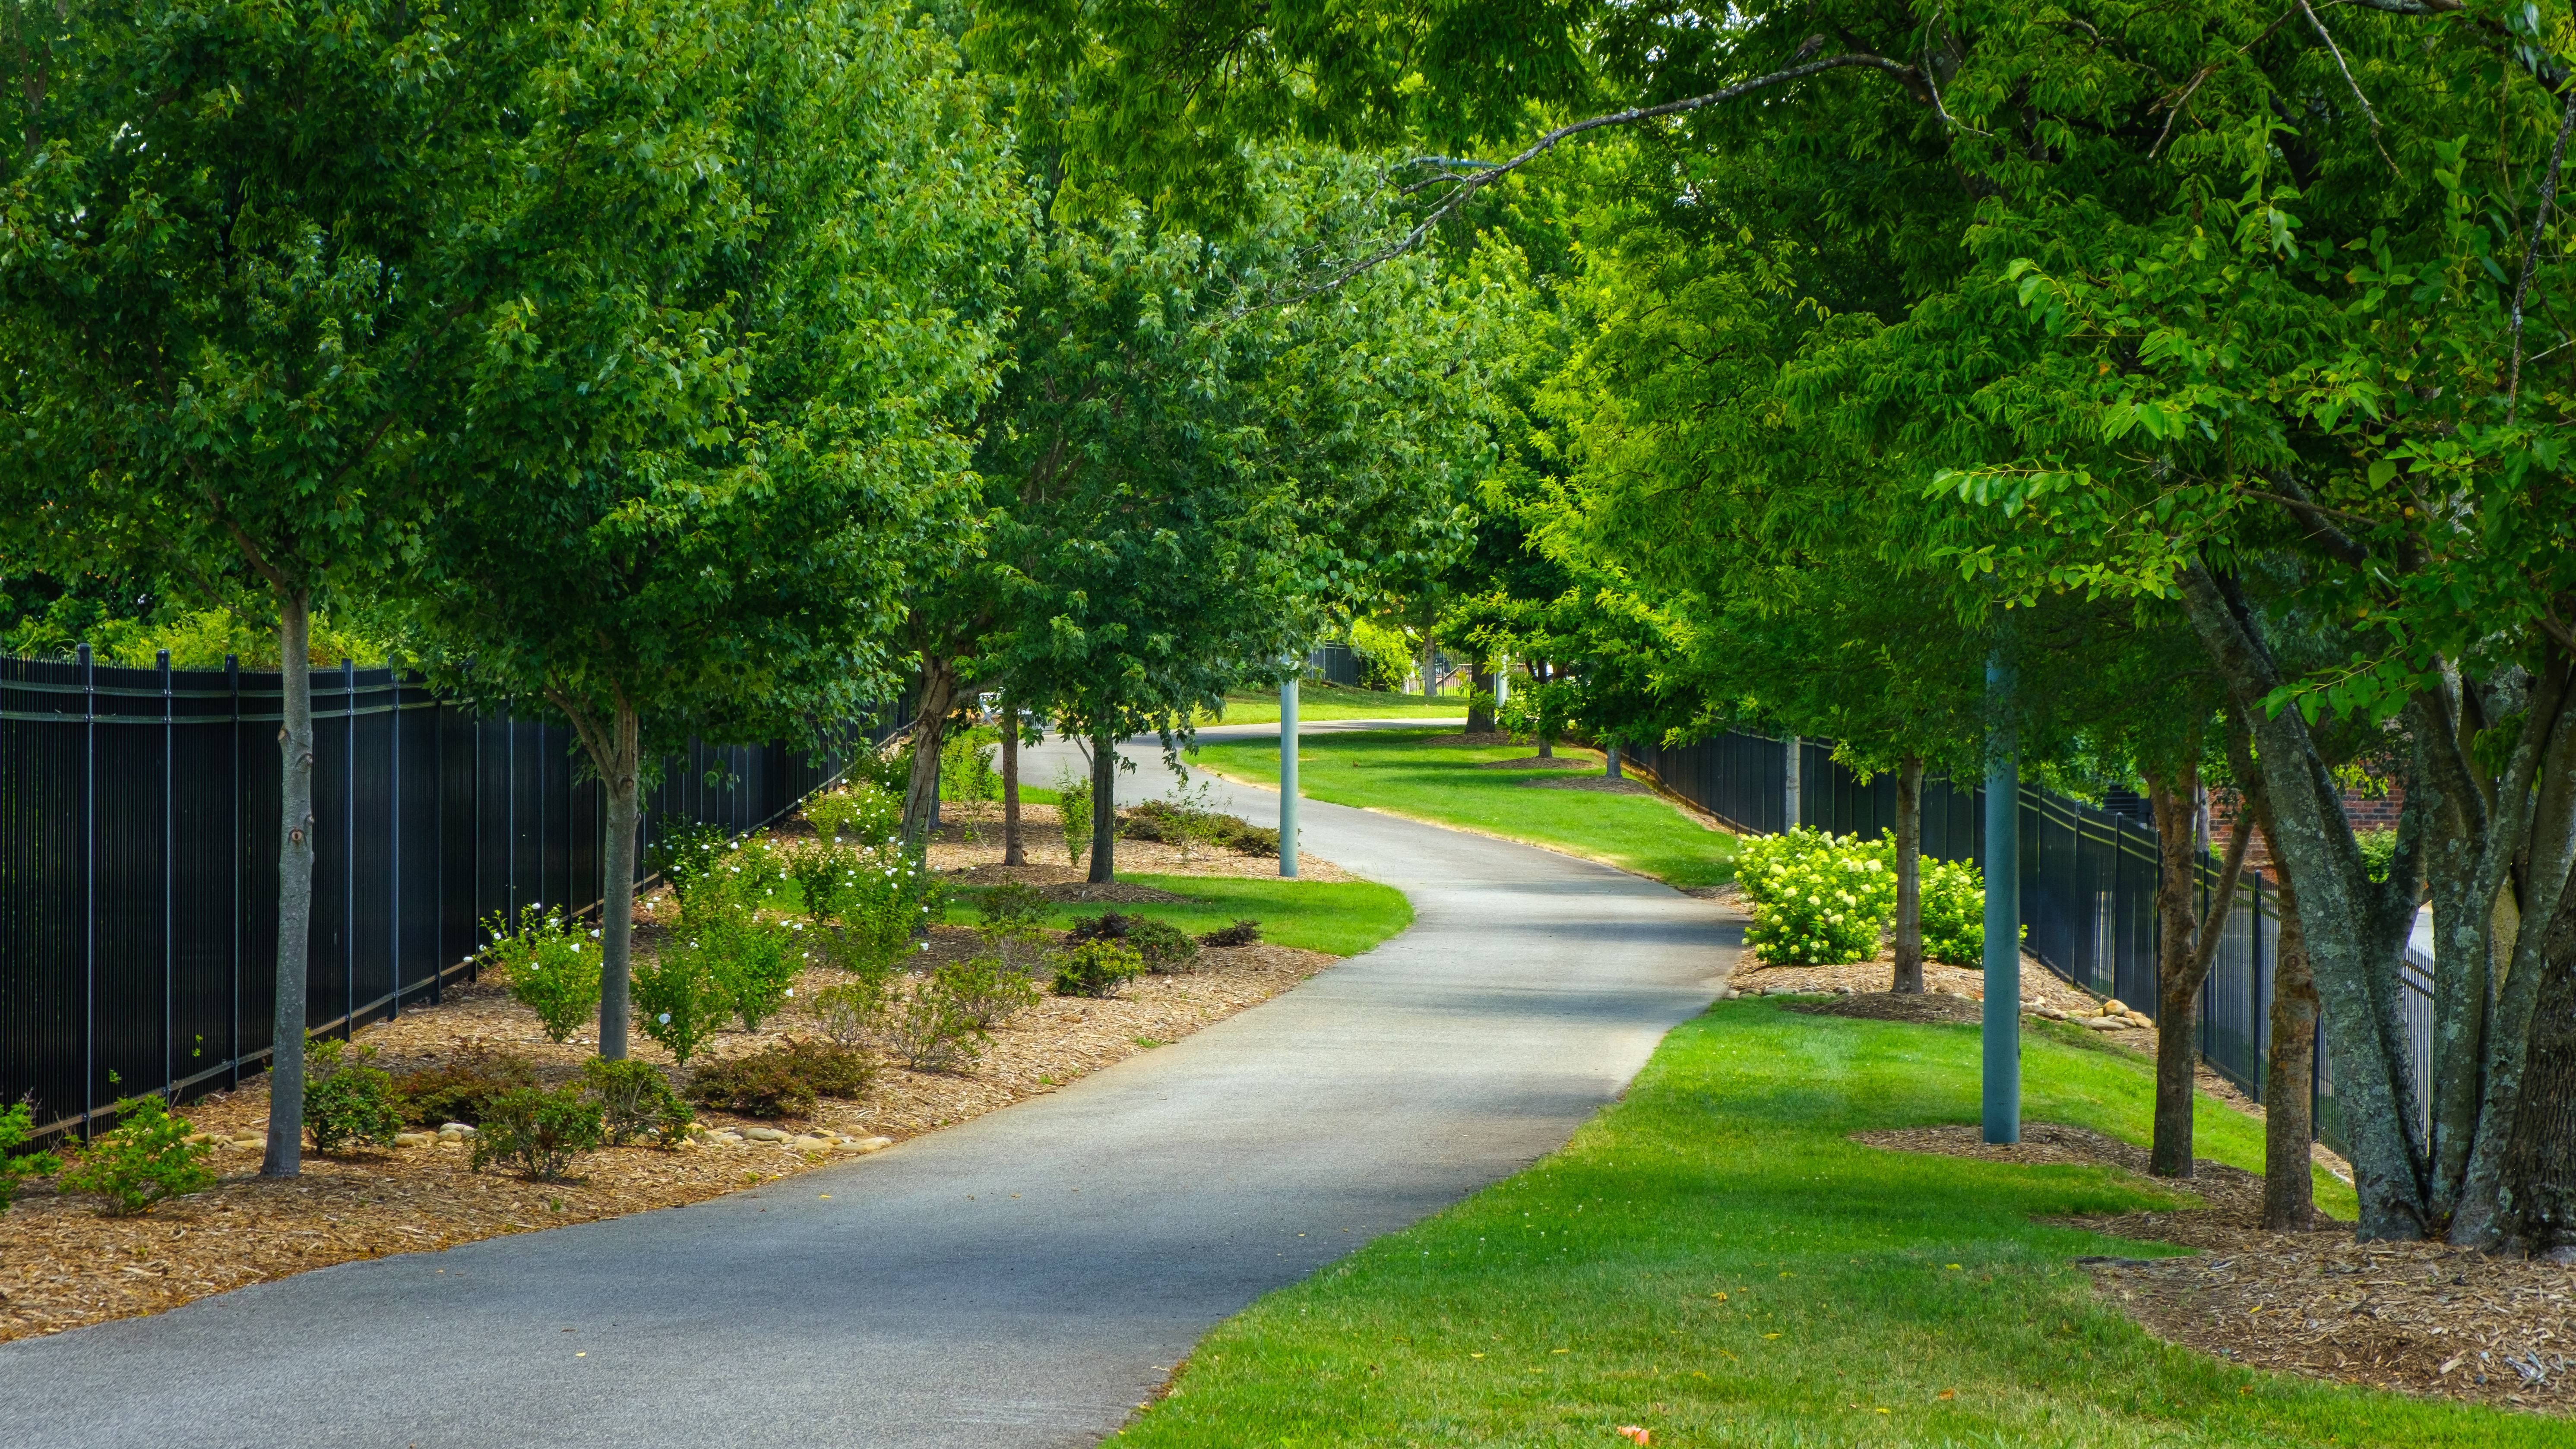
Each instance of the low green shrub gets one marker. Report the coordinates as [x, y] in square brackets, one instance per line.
[1818, 899]
[752, 964]
[538, 1132]
[1954, 912]
[1165, 948]
[1096, 968]
[17, 1124]
[1013, 903]
[783, 1080]
[1241, 933]
[634, 1100]
[553, 968]
[687, 857]
[965, 769]
[348, 1099]
[145, 1159]
[678, 1001]
[929, 1030]
[892, 898]
[1191, 823]
[852, 1012]
[986, 991]
[864, 811]
[1073, 808]
[461, 1088]
[826, 873]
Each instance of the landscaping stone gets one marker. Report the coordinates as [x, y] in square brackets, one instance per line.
[764, 1134]
[873, 1144]
[414, 1139]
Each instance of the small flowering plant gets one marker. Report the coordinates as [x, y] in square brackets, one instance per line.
[552, 964]
[1818, 899]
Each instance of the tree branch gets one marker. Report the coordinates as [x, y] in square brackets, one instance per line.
[2531, 254]
[1470, 182]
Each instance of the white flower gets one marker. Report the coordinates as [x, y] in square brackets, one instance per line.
[664, 1018]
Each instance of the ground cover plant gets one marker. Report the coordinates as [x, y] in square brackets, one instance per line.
[1341, 918]
[348, 1099]
[1713, 1261]
[145, 1158]
[1404, 772]
[17, 1124]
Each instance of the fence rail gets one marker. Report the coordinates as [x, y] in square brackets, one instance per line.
[2088, 883]
[138, 860]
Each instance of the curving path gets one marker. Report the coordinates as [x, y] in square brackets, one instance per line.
[1023, 1279]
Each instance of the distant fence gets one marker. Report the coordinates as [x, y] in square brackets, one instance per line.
[1334, 664]
[2088, 886]
[138, 860]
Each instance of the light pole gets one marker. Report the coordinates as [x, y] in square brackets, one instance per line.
[2003, 909]
[1288, 773]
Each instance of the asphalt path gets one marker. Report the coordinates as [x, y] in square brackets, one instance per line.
[1026, 1278]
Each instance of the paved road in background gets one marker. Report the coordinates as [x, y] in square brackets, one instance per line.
[1026, 1278]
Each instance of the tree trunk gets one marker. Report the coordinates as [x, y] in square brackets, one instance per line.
[285, 1156]
[1909, 877]
[1104, 808]
[2290, 1068]
[2353, 944]
[929, 732]
[1012, 852]
[2177, 990]
[1430, 661]
[2186, 944]
[622, 772]
[1546, 736]
[1480, 702]
[2536, 1210]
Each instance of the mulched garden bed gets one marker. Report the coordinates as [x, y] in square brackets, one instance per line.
[1540, 762]
[63, 1264]
[2420, 1318]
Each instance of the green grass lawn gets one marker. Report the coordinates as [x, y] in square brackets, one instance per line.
[1711, 1259]
[1332, 701]
[1340, 918]
[1394, 770]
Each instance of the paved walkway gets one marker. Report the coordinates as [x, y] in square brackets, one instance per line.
[1023, 1279]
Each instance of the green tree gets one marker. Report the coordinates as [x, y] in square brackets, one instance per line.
[237, 254]
[1197, 466]
[751, 258]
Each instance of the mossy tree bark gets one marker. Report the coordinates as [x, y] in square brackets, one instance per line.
[929, 732]
[2537, 1212]
[2290, 1065]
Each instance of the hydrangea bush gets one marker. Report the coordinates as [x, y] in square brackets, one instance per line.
[1954, 912]
[1818, 899]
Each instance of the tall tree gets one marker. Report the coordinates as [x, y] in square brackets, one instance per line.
[238, 254]
[1198, 467]
[723, 411]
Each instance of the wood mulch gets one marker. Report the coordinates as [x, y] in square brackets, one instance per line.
[2419, 1318]
[1543, 762]
[64, 1264]
[971, 852]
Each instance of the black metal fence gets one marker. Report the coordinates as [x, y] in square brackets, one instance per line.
[2088, 885]
[138, 860]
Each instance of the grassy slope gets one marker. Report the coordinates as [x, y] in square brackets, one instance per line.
[1854, 1281]
[1393, 770]
[1339, 918]
[1330, 701]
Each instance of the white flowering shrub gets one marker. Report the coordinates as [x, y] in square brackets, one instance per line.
[552, 965]
[1818, 899]
[1954, 912]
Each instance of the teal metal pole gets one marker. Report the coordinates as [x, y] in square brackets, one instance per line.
[2003, 910]
[1288, 778]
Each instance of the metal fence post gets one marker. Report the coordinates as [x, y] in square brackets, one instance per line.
[349, 848]
[393, 838]
[89, 891]
[169, 890]
[232, 686]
